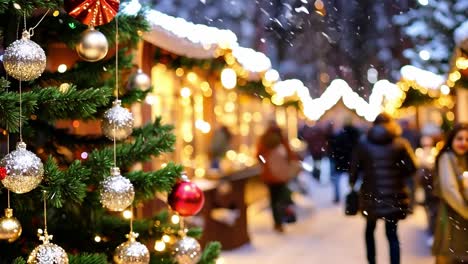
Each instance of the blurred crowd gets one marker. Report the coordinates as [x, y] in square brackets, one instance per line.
[387, 163]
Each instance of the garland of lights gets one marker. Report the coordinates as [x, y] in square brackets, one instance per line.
[198, 41]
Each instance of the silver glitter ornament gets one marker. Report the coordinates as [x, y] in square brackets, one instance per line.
[131, 252]
[118, 122]
[117, 191]
[93, 45]
[24, 59]
[187, 250]
[140, 81]
[48, 253]
[24, 170]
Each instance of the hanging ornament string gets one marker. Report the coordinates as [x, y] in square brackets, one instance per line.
[31, 30]
[131, 219]
[45, 211]
[116, 80]
[8, 151]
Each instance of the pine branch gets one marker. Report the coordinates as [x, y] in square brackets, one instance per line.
[85, 258]
[51, 104]
[65, 186]
[19, 261]
[71, 104]
[211, 253]
[148, 183]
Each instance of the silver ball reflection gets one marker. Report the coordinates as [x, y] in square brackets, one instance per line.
[24, 170]
[117, 192]
[118, 122]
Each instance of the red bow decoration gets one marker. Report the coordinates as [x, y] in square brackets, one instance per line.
[92, 12]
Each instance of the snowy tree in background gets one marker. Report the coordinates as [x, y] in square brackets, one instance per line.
[431, 28]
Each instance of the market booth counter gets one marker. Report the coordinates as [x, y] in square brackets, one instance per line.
[224, 216]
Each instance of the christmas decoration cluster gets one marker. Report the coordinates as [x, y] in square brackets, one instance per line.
[21, 170]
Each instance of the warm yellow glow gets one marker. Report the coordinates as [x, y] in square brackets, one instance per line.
[244, 129]
[97, 239]
[151, 99]
[203, 126]
[462, 63]
[247, 117]
[208, 92]
[232, 96]
[229, 107]
[192, 77]
[450, 116]
[179, 72]
[218, 110]
[228, 78]
[229, 58]
[199, 172]
[188, 150]
[127, 214]
[166, 238]
[231, 154]
[220, 261]
[159, 245]
[444, 89]
[454, 76]
[205, 86]
[185, 92]
[188, 137]
[56, 13]
[163, 165]
[64, 87]
[257, 117]
[277, 100]
[175, 219]
[62, 68]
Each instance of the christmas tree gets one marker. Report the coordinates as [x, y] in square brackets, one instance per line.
[431, 28]
[74, 166]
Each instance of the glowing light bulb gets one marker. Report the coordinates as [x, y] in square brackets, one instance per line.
[228, 78]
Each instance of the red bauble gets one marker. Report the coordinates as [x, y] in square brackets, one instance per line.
[3, 173]
[186, 198]
[92, 12]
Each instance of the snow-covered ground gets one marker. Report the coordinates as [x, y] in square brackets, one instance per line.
[323, 234]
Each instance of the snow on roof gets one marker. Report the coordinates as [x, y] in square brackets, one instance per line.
[422, 77]
[185, 38]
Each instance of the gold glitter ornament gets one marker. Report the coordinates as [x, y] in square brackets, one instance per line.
[117, 122]
[24, 170]
[117, 192]
[93, 45]
[131, 251]
[10, 227]
[48, 253]
[186, 250]
[24, 59]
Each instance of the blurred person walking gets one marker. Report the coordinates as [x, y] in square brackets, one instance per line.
[220, 144]
[451, 185]
[276, 158]
[316, 138]
[341, 148]
[279, 165]
[426, 159]
[384, 160]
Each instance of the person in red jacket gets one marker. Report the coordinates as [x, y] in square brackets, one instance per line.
[270, 143]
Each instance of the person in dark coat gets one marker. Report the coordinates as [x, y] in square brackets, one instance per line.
[385, 160]
[341, 149]
[316, 139]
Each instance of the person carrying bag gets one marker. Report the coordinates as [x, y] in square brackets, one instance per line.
[279, 165]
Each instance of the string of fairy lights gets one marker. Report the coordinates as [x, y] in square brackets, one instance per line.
[184, 38]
